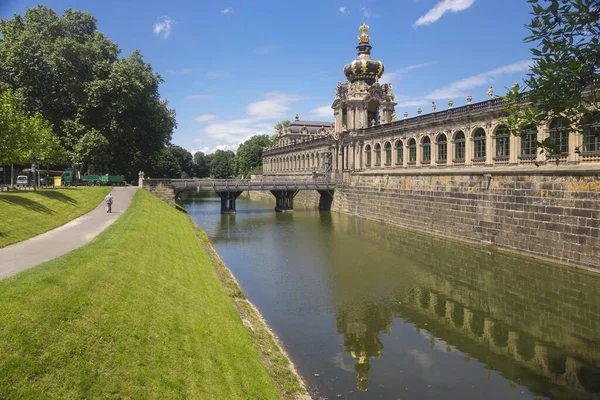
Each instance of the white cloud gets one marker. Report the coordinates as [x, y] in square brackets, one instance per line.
[196, 97]
[460, 88]
[267, 49]
[261, 115]
[343, 10]
[210, 150]
[274, 105]
[185, 71]
[390, 77]
[227, 10]
[367, 12]
[411, 103]
[205, 117]
[322, 112]
[441, 8]
[163, 27]
[216, 75]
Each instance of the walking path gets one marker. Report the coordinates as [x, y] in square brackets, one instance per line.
[47, 246]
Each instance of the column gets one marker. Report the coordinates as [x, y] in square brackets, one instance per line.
[489, 146]
[515, 149]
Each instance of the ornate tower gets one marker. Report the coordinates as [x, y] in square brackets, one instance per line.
[361, 101]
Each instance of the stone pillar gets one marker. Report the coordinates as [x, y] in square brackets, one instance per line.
[489, 146]
[575, 140]
[140, 179]
[515, 149]
[360, 155]
[468, 149]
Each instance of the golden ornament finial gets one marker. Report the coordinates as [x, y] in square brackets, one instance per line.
[364, 34]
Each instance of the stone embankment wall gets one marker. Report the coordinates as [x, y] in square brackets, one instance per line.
[163, 189]
[551, 212]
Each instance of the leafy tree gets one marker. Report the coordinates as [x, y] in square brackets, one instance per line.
[566, 70]
[25, 135]
[63, 68]
[184, 159]
[201, 165]
[249, 154]
[221, 164]
[280, 126]
[91, 150]
[164, 165]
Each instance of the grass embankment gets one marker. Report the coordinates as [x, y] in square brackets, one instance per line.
[139, 312]
[26, 214]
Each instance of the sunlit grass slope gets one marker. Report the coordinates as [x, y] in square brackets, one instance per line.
[139, 312]
[26, 214]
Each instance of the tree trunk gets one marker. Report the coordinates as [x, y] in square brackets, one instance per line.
[12, 175]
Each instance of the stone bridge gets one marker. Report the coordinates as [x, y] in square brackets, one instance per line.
[229, 190]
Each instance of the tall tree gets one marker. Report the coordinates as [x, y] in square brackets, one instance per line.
[63, 68]
[184, 159]
[249, 154]
[221, 164]
[565, 74]
[201, 165]
[25, 136]
[164, 165]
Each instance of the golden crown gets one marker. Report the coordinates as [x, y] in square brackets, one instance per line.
[364, 34]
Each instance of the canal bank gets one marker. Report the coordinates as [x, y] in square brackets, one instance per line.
[139, 312]
[367, 310]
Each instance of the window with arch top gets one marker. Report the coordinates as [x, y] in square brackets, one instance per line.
[399, 152]
[426, 150]
[377, 154]
[459, 146]
[529, 141]
[388, 153]
[479, 144]
[591, 133]
[412, 151]
[368, 155]
[559, 135]
[442, 148]
[502, 142]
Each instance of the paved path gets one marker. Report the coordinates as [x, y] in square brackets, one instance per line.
[47, 246]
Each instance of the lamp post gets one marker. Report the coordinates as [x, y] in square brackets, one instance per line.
[33, 170]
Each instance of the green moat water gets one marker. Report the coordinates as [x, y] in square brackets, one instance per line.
[369, 311]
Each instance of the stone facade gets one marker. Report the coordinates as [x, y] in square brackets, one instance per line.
[163, 189]
[550, 212]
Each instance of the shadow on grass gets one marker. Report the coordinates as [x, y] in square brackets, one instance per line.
[56, 195]
[25, 203]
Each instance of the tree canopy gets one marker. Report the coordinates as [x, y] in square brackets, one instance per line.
[222, 164]
[104, 109]
[565, 74]
[25, 135]
[249, 154]
[201, 165]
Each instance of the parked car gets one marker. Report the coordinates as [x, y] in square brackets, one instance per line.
[22, 181]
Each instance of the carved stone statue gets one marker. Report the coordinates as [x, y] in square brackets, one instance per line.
[405, 114]
[419, 111]
[469, 99]
[394, 117]
[433, 106]
[297, 118]
[491, 92]
[450, 103]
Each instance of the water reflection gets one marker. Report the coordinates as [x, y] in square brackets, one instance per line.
[415, 315]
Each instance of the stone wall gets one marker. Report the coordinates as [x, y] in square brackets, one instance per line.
[163, 189]
[551, 212]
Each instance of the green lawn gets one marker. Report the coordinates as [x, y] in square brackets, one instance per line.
[26, 214]
[139, 312]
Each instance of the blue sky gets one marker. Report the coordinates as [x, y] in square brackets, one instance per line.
[233, 68]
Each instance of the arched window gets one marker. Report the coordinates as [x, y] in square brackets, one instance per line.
[459, 146]
[559, 135]
[412, 151]
[312, 160]
[377, 154]
[528, 141]
[502, 142]
[479, 144]
[303, 162]
[399, 152]
[591, 133]
[426, 150]
[368, 155]
[388, 153]
[442, 148]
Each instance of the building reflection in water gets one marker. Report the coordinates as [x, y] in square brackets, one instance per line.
[534, 323]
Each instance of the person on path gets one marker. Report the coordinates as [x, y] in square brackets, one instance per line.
[108, 200]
